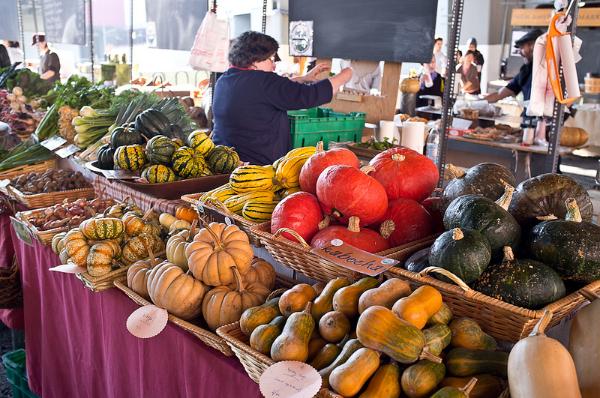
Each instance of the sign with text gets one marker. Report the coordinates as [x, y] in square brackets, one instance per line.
[147, 321]
[53, 143]
[290, 379]
[120, 174]
[22, 230]
[354, 259]
[588, 17]
[68, 151]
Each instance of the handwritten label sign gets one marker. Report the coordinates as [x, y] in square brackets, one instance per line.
[147, 321]
[344, 255]
[119, 175]
[22, 230]
[69, 268]
[68, 151]
[290, 379]
[53, 143]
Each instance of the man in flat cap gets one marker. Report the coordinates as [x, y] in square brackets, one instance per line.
[49, 62]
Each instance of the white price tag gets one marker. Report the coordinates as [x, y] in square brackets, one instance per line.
[68, 151]
[69, 268]
[147, 321]
[53, 143]
[119, 174]
[4, 183]
[290, 379]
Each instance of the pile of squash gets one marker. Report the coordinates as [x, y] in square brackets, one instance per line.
[119, 237]
[210, 273]
[378, 340]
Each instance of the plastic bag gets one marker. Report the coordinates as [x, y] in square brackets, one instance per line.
[211, 45]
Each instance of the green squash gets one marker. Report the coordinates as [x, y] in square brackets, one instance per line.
[151, 123]
[571, 246]
[200, 142]
[455, 392]
[485, 179]
[160, 149]
[188, 163]
[545, 195]
[130, 157]
[105, 157]
[158, 173]
[223, 160]
[524, 283]
[465, 253]
[486, 216]
[125, 135]
[463, 362]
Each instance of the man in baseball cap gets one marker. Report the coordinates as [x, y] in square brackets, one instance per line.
[49, 68]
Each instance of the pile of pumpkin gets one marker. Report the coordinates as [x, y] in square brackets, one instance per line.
[378, 339]
[212, 273]
[545, 222]
[164, 159]
[119, 237]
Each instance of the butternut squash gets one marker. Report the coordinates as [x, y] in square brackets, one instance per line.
[349, 378]
[539, 366]
[453, 392]
[421, 379]
[263, 336]
[584, 346]
[327, 354]
[385, 295]
[315, 345]
[324, 303]
[260, 315]
[292, 343]
[443, 316]
[385, 383]
[467, 333]
[350, 348]
[333, 326]
[417, 308]
[379, 329]
[319, 286]
[465, 362]
[487, 386]
[346, 299]
[296, 298]
[437, 338]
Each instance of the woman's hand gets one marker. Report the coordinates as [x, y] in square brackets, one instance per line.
[316, 71]
[340, 79]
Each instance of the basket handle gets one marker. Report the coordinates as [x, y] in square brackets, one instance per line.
[448, 275]
[294, 234]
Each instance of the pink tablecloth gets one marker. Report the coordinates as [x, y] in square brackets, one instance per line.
[77, 344]
[13, 318]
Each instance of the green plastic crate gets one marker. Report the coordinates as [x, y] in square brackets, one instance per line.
[14, 363]
[309, 126]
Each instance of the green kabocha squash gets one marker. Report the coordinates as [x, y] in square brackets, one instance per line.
[105, 157]
[466, 253]
[188, 163]
[130, 157]
[158, 173]
[174, 131]
[223, 160]
[486, 216]
[524, 283]
[201, 142]
[571, 246]
[125, 135]
[485, 179]
[151, 123]
[545, 195]
[160, 149]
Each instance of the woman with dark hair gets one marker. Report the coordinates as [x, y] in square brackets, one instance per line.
[4, 58]
[251, 101]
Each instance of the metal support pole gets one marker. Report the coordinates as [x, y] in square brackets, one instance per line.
[91, 37]
[21, 29]
[131, 41]
[264, 17]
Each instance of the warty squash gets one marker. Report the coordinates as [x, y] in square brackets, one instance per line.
[101, 257]
[76, 247]
[292, 343]
[419, 306]
[349, 378]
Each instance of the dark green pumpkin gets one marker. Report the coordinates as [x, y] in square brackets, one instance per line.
[130, 157]
[105, 157]
[546, 195]
[151, 123]
[160, 149]
[174, 131]
[485, 179]
[125, 135]
[223, 160]
[466, 253]
[571, 246]
[486, 216]
[524, 283]
[158, 173]
[418, 261]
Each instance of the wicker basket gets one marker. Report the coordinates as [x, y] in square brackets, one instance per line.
[11, 294]
[104, 282]
[39, 200]
[299, 256]
[216, 212]
[17, 171]
[504, 321]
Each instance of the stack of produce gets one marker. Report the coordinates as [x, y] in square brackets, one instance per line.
[378, 340]
[212, 273]
[30, 83]
[15, 111]
[23, 154]
[52, 180]
[119, 237]
[69, 214]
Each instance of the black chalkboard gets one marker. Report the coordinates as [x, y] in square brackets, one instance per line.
[9, 27]
[376, 30]
[64, 21]
[590, 61]
[172, 24]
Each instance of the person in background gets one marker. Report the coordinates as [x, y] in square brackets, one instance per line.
[479, 61]
[14, 51]
[522, 81]
[251, 101]
[458, 57]
[431, 83]
[49, 63]
[4, 58]
[441, 60]
[469, 75]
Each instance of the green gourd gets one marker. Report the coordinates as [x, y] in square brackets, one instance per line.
[327, 354]
[346, 299]
[464, 362]
[292, 343]
[453, 392]
[437, 338]
[421, 379]
[259, 315]
[349, 378]
[442, 317]
[324, 302]
[467, 333]
[349, 348]
[263, 336]
[385, 383]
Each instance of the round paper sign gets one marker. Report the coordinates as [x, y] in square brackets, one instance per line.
[290, 379]
[147, 321]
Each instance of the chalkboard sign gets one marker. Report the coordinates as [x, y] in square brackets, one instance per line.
[64, 21]
[590, 61]
[376, 30]
[9, 27]
[172, 24]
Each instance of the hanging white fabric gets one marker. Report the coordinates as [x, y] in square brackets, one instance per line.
[211, 45]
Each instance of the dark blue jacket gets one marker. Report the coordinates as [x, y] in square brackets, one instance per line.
[250, 111]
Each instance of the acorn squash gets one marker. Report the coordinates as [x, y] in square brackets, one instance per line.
[160, 149]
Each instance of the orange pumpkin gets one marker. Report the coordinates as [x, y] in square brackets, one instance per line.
[261, 271]
[409, 85]
[186, 213]
[137, 276]
[573, 136]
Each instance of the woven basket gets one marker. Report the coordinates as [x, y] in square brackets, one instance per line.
[39, 200]
[299, 256]
[504, 321]
[216, 212]
[11, 294]
[17, 171]
[104, 282]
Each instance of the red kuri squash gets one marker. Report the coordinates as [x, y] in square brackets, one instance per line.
[362, 238]
[345, 192]
[405, 173]
[433, 205]
[406, 221]
[299, 211]
[314, 166]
